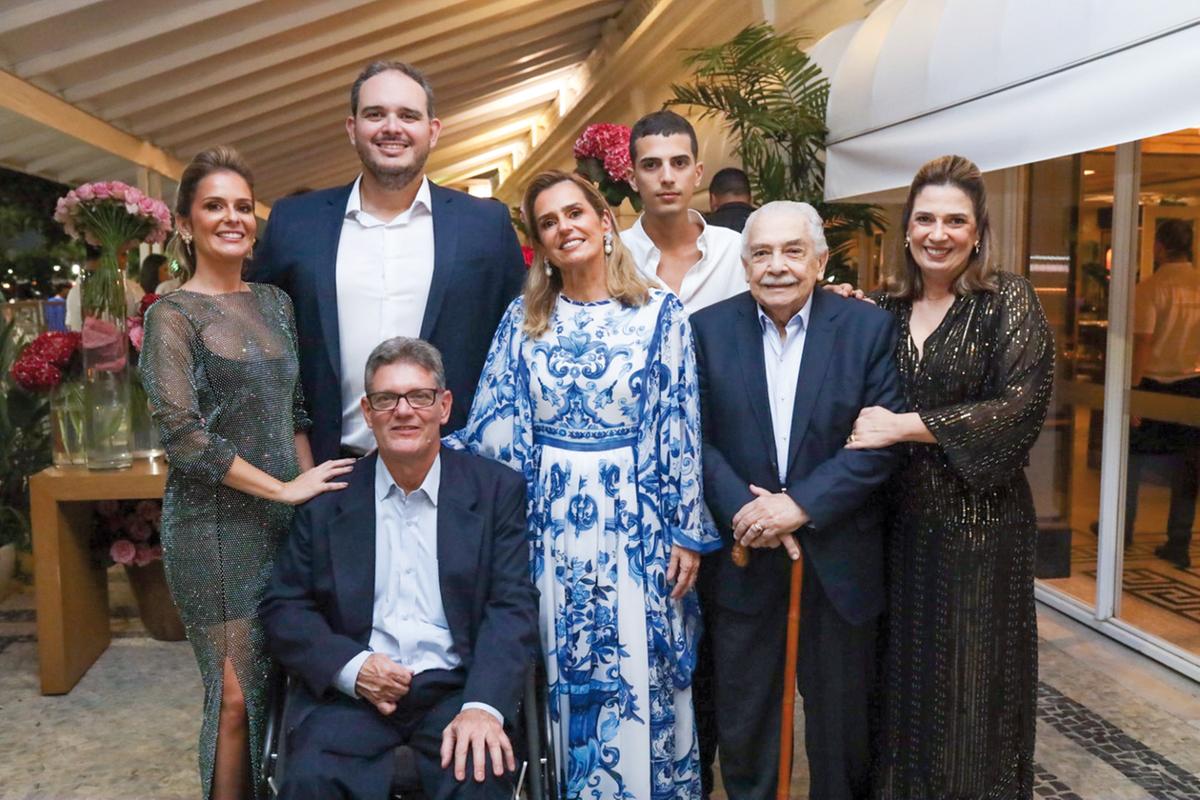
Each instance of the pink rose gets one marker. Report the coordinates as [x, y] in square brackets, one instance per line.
[139, 530]
[101, 191]
[116, 190]
[85, 192]
[103, 340]
[137, 335]
[146, 205]
[143, 556]
[150, 511]
[123, 551]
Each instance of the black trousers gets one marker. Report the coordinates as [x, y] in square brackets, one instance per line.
[836, 674]
[343, 749]
[1180, 446]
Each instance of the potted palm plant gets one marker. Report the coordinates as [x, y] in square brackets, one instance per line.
[771, 98]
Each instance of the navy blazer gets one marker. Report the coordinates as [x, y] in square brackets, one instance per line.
[318, 609]
[477, 271]
[848, 364]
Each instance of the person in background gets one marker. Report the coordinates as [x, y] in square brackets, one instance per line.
[590, 391]
[133, 292]
[729, 199]
[670, 242]
[391, 253]
[976, 362]
[1166, 358]
[220, 366]
[152, 272]
[55, 310]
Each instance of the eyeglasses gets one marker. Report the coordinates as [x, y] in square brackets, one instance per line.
[417, 398]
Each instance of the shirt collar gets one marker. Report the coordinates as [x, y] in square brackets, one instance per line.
[385, 484]
[694, 216]
[354, 201]
[797, 322]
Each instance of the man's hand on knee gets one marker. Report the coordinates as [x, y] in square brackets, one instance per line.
[382, 682]
[479, 732]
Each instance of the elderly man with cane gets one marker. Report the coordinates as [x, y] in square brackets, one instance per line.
[784, 371]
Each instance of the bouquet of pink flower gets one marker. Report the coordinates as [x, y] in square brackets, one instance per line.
[602, 156]
[111, 213]
[127, 532]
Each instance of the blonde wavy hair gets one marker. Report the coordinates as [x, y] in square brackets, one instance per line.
[625, 283]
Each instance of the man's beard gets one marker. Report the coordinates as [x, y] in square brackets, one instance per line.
[390, 177]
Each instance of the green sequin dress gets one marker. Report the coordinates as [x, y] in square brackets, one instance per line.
[222, 376]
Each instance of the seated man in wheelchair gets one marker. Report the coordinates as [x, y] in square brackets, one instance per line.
[403, 605]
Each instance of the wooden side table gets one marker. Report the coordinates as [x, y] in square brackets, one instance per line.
[71, 590]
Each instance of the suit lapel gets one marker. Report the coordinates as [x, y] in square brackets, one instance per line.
[352, 551]
[459, 538]
[754, 370]
[818, 344]
[447, 228]
[328, 236]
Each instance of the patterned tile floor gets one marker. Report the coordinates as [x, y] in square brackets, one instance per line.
[1111, 724]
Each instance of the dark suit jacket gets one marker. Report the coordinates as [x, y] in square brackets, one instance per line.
[847, 365]
[477, 271]
[318, 608]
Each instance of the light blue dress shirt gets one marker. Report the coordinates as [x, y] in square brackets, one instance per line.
[782, 356]
[408, 618]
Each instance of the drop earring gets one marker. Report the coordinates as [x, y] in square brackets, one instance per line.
[185, 235]
[976, 247]
[549, 271]
[907, 242]
[608, 243]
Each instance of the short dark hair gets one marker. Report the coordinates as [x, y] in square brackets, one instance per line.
[405, 350]
[661, 123]
[1175, 236]
[376, 67]
[730, 181]
[148, 271]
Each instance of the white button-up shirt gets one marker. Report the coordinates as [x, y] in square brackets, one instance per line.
[384, 270]
[718, 274]
[408, 620]
[782, 357]
[1167, 308]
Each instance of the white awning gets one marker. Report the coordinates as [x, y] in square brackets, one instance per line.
[1002, 82]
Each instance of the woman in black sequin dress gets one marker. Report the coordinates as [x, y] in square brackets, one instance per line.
[976, 358]
[221, 372]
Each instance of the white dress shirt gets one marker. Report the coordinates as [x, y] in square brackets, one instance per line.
[1167, 308]
[718, 274]
[384, 270]
[408, 620]
[782, 358]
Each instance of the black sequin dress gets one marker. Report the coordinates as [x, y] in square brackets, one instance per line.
[960, 676]
[222, 376]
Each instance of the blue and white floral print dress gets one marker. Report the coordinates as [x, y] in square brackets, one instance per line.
[601, 414]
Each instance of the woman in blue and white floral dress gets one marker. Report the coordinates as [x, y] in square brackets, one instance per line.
[590, 391]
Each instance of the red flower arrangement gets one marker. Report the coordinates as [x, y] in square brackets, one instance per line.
[602, 156]
[48, 360]
[137, 323]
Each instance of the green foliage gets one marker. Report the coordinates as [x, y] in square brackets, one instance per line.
[772, 98]
[31, 243]
[24, 443]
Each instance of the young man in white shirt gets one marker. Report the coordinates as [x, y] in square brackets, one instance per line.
[671, 242]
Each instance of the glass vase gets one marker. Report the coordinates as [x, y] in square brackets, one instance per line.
[145, 443]
[105, 349]
[66, 424]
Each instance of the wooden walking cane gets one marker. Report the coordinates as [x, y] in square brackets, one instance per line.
[740, 555]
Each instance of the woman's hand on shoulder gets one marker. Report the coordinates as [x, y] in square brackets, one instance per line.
[847, 290]
[315, 481]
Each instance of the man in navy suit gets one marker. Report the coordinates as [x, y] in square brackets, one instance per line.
[391, 254]
[784, 371]
[403, 605]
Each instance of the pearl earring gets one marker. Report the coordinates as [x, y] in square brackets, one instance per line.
[976, 247]
[608, 243]
[185, 235]
[907, 242]
[549, 271]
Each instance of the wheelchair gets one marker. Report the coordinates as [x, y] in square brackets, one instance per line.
[537, 773]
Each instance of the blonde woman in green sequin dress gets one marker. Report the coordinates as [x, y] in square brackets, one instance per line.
[976, 362]
[221, 372]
